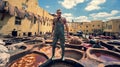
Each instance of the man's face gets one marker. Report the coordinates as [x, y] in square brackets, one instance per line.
[59, 13]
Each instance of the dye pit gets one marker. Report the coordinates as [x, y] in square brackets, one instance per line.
[30, 60]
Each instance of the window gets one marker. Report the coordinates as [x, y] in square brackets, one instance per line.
[24, 6]
[86, 30]
[47, 24]
[44, 23]
[109, 26]
[86, 26]
[24, 34]
[119, 26]
[35, 19]
[98, 25]
[106, 26]
[81, 23]
[17, 21]
[0, 26]
[27, 1]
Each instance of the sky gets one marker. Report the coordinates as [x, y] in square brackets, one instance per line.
[84, 10]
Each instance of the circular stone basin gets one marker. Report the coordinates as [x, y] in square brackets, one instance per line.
[33, 59]
[74, 53]
[117, 49]
[114, 43]
[102, 55]
[33, 42]
[17, 40]
[74, 46]
[59, 63]
[112, 65]
[48, 41]
[22, 47]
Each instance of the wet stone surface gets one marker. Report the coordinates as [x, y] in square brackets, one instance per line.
[89, 63]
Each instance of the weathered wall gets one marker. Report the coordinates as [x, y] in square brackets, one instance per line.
[8, 24]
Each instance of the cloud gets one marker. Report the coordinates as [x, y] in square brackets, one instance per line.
[68, 4]
[114, 17]
[114, 12]
[47, 6]
[94, 5]
[82, 19]
[104, 14]
[94, 16]
[69, 17]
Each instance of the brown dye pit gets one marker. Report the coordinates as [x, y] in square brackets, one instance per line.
[106, 57]
[73, 54]
[30, 60]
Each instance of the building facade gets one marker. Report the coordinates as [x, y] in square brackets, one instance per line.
[112, 27]
[97, 26]
[86, 27]
[73, 27]
[37, 21]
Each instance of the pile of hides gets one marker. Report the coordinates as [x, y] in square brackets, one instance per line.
[4, 56]
[15, 46]
[75, 40]
[1, 42]
[40, 38]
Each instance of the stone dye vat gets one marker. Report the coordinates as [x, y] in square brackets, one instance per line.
[15, 40]
[117, 49]
[110, 47]
[74, 46]
[102, 55]
[109, 65]
[112, 65]
[32, 42]
[48, 41]
[74, 53]
[114, 42]
[28, 59]
[68, 62]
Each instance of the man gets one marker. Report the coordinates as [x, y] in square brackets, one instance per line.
[58, 32]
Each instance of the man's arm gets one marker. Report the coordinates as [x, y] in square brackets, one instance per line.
[53, 28]
[67, 29]
[66, 26]
[53, 25]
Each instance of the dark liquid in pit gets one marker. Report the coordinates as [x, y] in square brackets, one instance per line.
[106, 57]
